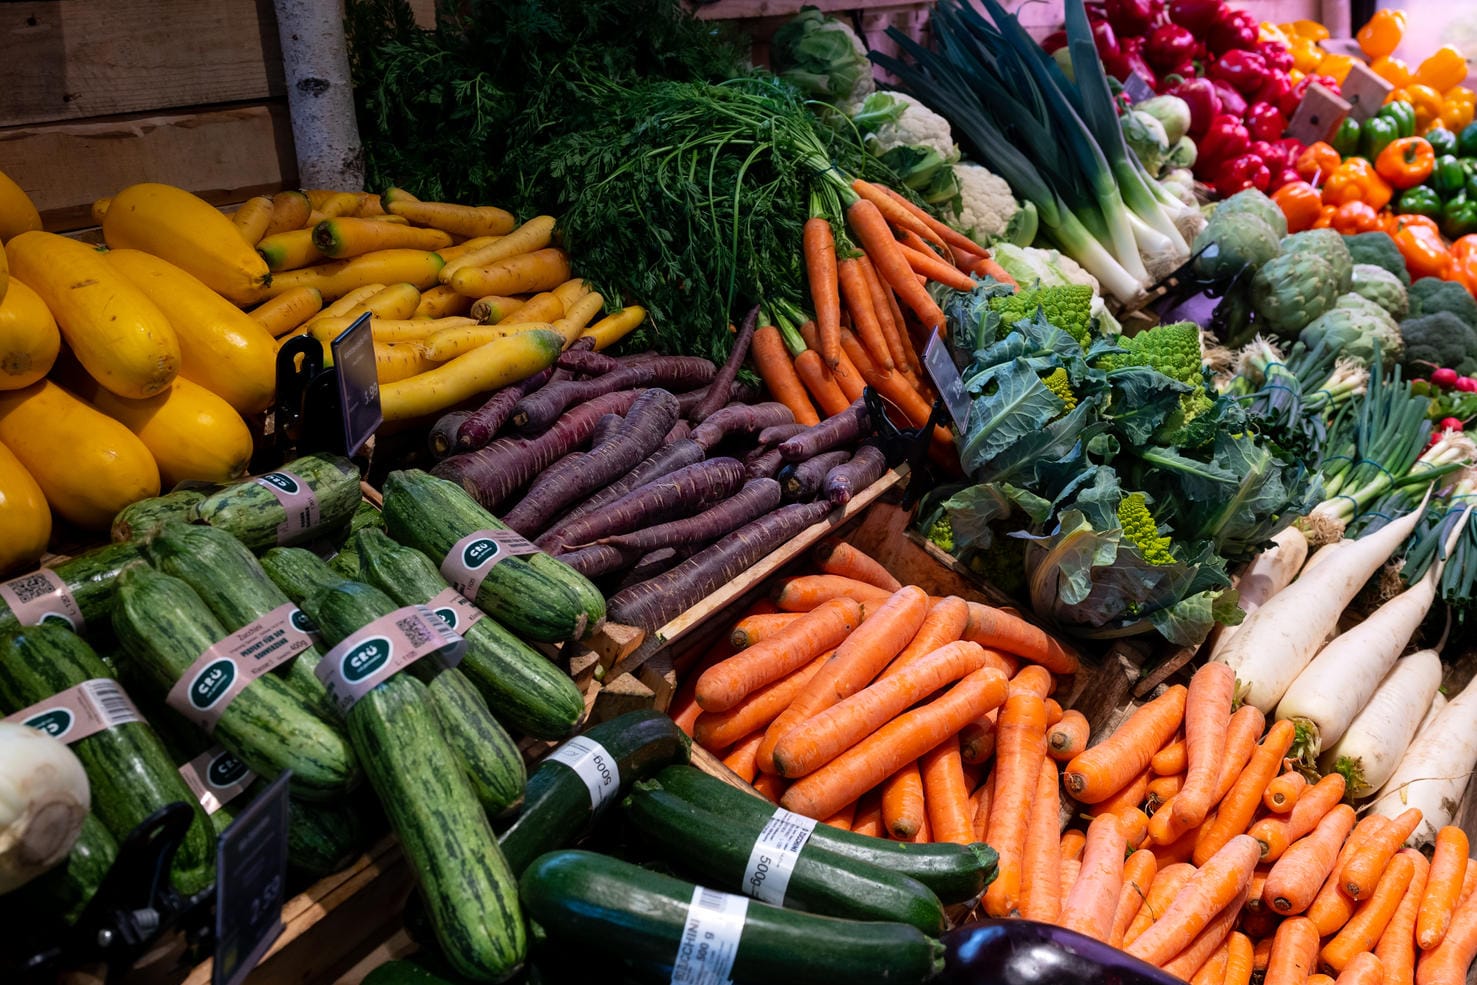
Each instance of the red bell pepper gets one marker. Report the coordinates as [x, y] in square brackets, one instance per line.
[1245, 71]
[1170, 46]
[1132, 54]
[1272, 90]
[1197, 15]
[1231, 101]
[1204, 102]
[1130, 17]
[1226, 138]
[1265, 121]
[1284, 177]
[1278, 57]
[1242, 172]
[1233, 30]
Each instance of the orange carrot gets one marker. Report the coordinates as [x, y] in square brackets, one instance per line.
[1276, 833]
[753, 628]
[977, 739]
[1254, 901]
[1299, 874]
[930, 266]
[1213, 971]
[777, 370]
[996, 629]
[1362, 969]
[1242, 733]
[1207, 715]
[1239, 959]
[871, 230]
[1165, 885]
[806, 592]
[1135, 826]
[826, 626]
[885, 751]
[1364, 868]
[740, 758]
[1448, 962]
[1448, 870]
[684, 709]
[903, 810]
[943, 624]
[986, 796]
[1294, 952]
[1396, 949]
[1209, 940]
[1364, 928]
[892, 386]
[898, 211]
[1171, 759]
[716, 729]
[1318, 978]
[1073, 840]
[842, 819]
[1054, 712]
[1180, 850]
[837, 557]
[1067, 737]
[1282, 793]
[940, 232]
[1332, 907]
[1261, 952]
[770, 787]
[1223, 878]
[824, 389]
[857, 661]
[913, 241]
[1020, 746]
[904, 331]
[1109, 766]
[1234, 814]
[1034, 679]
[1041, 872]
[1132, 795]
[945, 794]
[1138, 876]
[1090, 907]
[819, 246]
[863, 317]
[1163, 789]
[868, 820]
[891, 330]
[1469, 881]
[1071, 868]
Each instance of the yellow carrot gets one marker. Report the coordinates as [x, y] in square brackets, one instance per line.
[615, 326]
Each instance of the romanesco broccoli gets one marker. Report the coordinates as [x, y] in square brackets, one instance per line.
[1173, 350]
[1141, 531]
[1056, 381]
[1068, 308]
[941, 533]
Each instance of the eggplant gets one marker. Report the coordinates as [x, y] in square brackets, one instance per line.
[1026, 952]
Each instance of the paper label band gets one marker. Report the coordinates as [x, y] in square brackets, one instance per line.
[594, 764]
[42, 596]
[710, 939]
[297, 498]
[773, 857]
[86, 709]
[471, 559]
[383, 648]
[225, 669]
[216, 777]
[453, 608]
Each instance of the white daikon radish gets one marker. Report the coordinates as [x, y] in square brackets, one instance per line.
[1438, 705]
[44, 798]
[1276, 642]
[1370, 749]
[1266, 574]
[1434, 771]
[1322, 554]
[1341, 679]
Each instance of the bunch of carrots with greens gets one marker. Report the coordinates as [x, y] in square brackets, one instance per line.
[876, 708]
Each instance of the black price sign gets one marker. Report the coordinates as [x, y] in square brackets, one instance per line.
[358, 383]
[250, 884]
[1136, 89]
[940, 366]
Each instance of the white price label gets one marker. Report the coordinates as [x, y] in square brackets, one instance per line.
[594, 764]
[710, 939]
[775, 853]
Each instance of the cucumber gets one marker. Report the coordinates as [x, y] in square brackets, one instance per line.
[62, 893]
[232, 584]
[130, 773]
[91, 577]
[595, 901]
[522, 687]
[251, 512]
[141, 519]
[164, 626]
[716, 849]
[488, 755]
[956, 873]
[535, 596]
[298, 572]
[556, 805]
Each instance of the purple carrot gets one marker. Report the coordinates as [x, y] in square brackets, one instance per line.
[740, 419]
[776, 433]
[680, 431]
[738, 393]
[729, 372]
[486, 421]
[764, 465]
[844, 481]
[804, 482]
[846, 428]
[494, 473]
[673, 373]
[599, 559]
[652, 564]
[655, 602]
[586, 362]
[682, 493]
[442, 438]
[756, 498]
[605, 428]
[664, 461]
[575, 476]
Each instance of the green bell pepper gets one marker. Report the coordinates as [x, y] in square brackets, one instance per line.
[1442, 141]
[1448, 178]
[1459, 216]
[1466, 141]
[1402, 113]
[1420, 200]
[1346, 137]
[1377, 133]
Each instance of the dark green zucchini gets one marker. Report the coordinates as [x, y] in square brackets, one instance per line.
[298, 571]
[488, 755]
[91, 577]
[251, 511]
[404, 973]
[231, 582]
[556, 806]
[164, 626]
[535, 596]
[594, 901]
[321, 838]
[716, 848]
[522, 687]
[63, 893]
[130, 773]
[139, 520]
[346, 562]
[956, 873]
[366, 515]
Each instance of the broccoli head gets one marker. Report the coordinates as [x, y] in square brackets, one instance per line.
[1141, 531]
[1378, 248]
[1439, 339]
[1068, 308]
[1173, 350]
[1432, 294]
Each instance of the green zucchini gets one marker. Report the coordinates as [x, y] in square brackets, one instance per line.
[403, 973]
[598, 902]
[232, 584]
[716, 849]
[139, 520]
[488, 755]
[62, 893]
[130, 772]
[346, 562]
[298, 572]
[535, 596]
[91, 577]
[522, 687]
[366, 514]
[556, 806]
[251, 511]
[321, 838]
[956, 873]
[164, 626]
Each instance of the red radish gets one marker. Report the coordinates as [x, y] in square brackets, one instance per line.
[1466, 384]
[1450, 424]
[1445, 376]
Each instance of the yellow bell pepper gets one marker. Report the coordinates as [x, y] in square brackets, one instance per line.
[1381, 36]
[1310, 29]
[1267, 31]
[1427, 103]
[1306, 55]
[1296, 75]
[1336, 66]
[1458, 108]
[1392, 70]
[1444, 69]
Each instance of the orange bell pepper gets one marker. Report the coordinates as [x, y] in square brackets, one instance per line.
[1267, 31]
[1457, 109]
[1306, 54]
[1317, 162]
[1312, 30]
[1397, 95]
[1427, 104]
[1354, 217]
[1464, 248]
[1325, 217]
[1355, 180]
[1300, 204]
[1392, 70]
[1406, 162]
[1460, 272]
[1336, 66]
[1382, 34]
[1422, 247]
[1445, 68]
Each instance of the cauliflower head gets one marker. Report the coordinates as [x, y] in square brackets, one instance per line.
[1292, 289]
[1383, 288]
[986, 208]
[896, 119]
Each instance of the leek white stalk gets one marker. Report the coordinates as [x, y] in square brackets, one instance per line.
[44, 798]
[1372, 746]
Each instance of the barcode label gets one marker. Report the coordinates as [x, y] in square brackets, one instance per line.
[710, 938]
[415, 630]
[594, 764]
[111, 701]
[42, 596]
[365, 659]
[78, 712]
[774, 855]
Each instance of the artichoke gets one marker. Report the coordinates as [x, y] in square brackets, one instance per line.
[1356, 325]
[1328, 244]
[1291, 290]
[1257, 204]
[1383, 288]
[1241, 239]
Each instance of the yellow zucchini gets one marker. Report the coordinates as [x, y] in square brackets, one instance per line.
[88, 465]
[441, 302]
[222, 348]
[25, 519]
[498, 363]
[615, 326]
[289, 250]
[288, 311]
[29, 340]
[4, 273]
[192, 433]
[336, 279]
[190, 233]
[17, 212]
[118, 334]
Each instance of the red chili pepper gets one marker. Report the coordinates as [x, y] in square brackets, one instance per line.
[1265, 121]
[1245, 71]
[1233, 30]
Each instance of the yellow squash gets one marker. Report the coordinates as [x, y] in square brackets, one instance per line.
[29, 340]
[334, 280]
[4, 273]
[498, 363]
[17, 212]
[192, 433]
[25, 519]
[88, 465]
[117, 333]
[190, 233]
